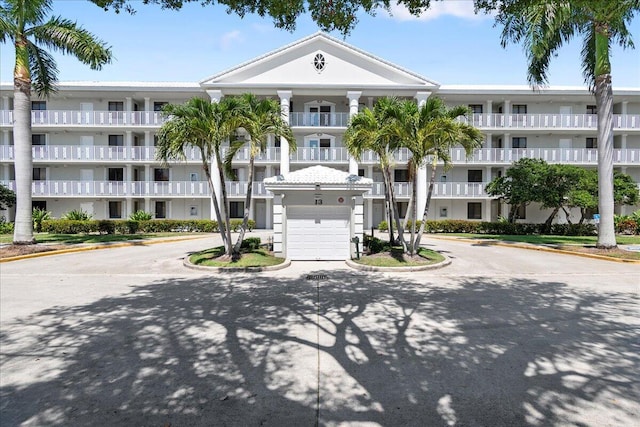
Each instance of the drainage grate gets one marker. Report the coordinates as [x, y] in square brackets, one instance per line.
[317, 277]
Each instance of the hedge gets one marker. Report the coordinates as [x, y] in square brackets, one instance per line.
[478, 227]
[123, 226]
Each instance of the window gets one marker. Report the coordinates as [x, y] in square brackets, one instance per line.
[592, 109]
[116, 174]
[476, 108]
[38, 139]
[521, 212]
[402, 208]
[519, 109]
[115, 209]
[193, 211]
[234, 174]
[161, 210]
[443, 178]
[592, 143]
[161, 174]
[319, 62]
[116, 140]
[474, 210]
[38, 105]
[236, 209]
[116, 106]
[474, 175]
[519, 142]
[39, 204]
[325, 143]
[444, 212]
[39, 174]
[361, 172]
[276, 142]
[157, 106]
[401, 175]
[193, 176]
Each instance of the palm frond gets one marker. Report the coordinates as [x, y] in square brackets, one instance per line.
[44, 71]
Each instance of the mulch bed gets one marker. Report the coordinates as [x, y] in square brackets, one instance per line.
[17, 250]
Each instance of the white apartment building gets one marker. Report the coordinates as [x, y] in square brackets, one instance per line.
[93, 142]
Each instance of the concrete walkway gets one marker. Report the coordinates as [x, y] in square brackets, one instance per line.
[502, 337]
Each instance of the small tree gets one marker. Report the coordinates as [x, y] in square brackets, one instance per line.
[7, 198]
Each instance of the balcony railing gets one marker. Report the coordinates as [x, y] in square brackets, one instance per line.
[271, 154]
[550, 121]
[52, 153]
[135, 188]
[402, 190]
[319, 119]
[550, 155]
[329, 155]
[71, 118]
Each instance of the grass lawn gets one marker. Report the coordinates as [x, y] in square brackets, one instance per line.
[255, 258]
[397, 259]
[550, 240]
[73, 239]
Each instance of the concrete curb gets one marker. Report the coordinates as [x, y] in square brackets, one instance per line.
[533, 247]
[189, 264]
[361, 267]
[99, 246]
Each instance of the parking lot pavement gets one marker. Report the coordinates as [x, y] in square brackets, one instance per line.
[502, 337]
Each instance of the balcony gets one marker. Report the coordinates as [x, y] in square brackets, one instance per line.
[440, 190]
[94, 153]
[93, 189]
[550, 121]
[270, 155]
[71, 118]
[580, 156]
[319, 119]
[319, 155]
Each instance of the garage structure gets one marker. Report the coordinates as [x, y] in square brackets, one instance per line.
[317, 211]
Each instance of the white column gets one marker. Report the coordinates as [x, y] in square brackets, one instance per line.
[128, 105]
[623, 141]
[506, 146]
[358, 229]
[147, 204]
[285, 99]
[421, 179]
[278, 243]
[488, 141]
[269, 222]
[487, 210]
[215, 95]
[147, 103]
[369, 213]
[370, 102]
[506, 111]
[623, 111]
[489, 111]
[354, 98]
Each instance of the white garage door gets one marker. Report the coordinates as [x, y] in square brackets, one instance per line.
[318, 232]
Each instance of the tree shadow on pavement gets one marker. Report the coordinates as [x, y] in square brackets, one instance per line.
[247, 349]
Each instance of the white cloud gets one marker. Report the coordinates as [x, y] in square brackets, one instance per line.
[459, 8]
[230, 38]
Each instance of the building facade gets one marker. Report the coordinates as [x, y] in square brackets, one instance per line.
[94, 142]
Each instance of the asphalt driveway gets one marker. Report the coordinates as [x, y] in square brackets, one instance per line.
[502, 337]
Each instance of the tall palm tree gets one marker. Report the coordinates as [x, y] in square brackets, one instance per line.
[437, 131]
[375, 130]
[204, 125]
[543, 26]
[262, 118]
[24, 23]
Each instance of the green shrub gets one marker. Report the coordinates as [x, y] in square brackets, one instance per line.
[375, 245]
[38, 215]
[5, 226]
[106, 227]
[140, 216]
[77, 215]
[66, 226]
[383, 226]
[627, 225]
[250, 243]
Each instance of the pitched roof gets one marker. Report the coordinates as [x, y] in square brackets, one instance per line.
[318, 175]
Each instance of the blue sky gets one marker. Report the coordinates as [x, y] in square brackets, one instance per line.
[449, 45]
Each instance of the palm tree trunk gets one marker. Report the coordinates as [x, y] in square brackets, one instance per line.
[225, 208]
[23, 231]
[247, 205]
[432, 180]
[394, 210]
[412, 211]
[214, 199]
[604, 105]
[387, 206]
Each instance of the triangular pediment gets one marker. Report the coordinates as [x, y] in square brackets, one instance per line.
[295, 65]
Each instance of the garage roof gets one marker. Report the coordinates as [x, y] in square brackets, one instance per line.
[319, 175]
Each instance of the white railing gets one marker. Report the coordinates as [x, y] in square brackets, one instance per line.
[239, 188]
[550, 121]
[88, 118]
[271, 154]
[402, 190]
[400, 156]
[50, 153]
[319, 119]
[308, 154]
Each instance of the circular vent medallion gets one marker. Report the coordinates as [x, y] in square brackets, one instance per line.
[318, 62]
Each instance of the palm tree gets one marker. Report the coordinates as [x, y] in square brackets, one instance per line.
[543, 26]
[437, 130]
[375, 130]
[262, 118]
[204, 125]
[23, 23]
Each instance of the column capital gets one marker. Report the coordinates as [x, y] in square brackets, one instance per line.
[421, 97]
[285, 94]
[215, 95]
[354, 95]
